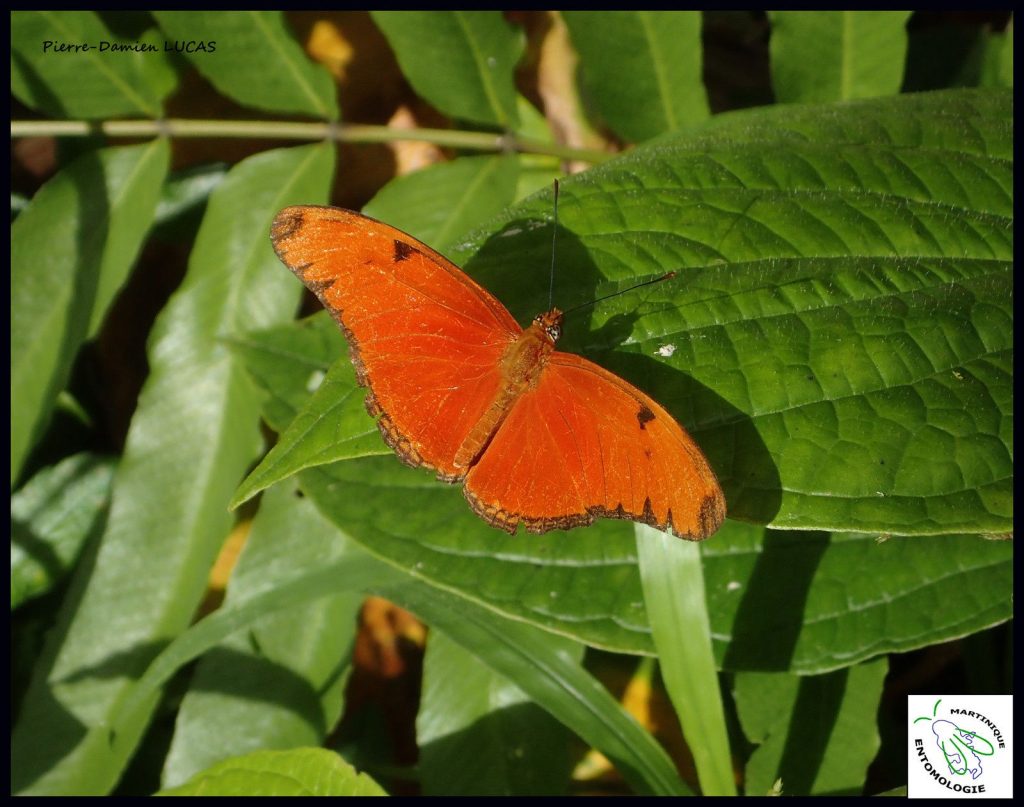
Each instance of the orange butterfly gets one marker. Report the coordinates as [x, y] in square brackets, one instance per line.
[536, 436]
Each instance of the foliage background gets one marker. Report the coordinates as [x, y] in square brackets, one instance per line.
[841, 348]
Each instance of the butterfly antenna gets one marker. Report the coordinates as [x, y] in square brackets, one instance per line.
[666, 276]
[554, 237]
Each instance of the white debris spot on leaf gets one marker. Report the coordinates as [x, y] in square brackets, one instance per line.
[733, 585]
[666, 350]
[316, 378]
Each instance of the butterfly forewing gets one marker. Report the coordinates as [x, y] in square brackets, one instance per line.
[425, 338]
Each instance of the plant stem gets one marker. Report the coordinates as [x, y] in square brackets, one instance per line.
[285, 130]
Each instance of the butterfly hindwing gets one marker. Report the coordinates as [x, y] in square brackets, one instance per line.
[583, 444]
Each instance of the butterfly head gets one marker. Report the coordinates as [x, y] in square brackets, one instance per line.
[551, 323]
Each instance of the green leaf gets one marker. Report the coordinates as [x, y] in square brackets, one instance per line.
[280, 683]
[332, 426]
[585, 584]
[643, 69]
[837, 344]
[71, 250]
[673, 583]
[849, 597]
[289, 363]
[855, 54]
[443, 202]
[52, 517]
[298, 772]
[462, 62]
[253, 58]
[551, 677]
[479, 734]
[154, 63]
[192, 436]
[355, 573]
[67, 403]
[818, 734]
[187, 190]
[63, 65]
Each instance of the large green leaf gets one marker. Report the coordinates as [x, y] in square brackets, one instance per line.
[856, 54]
[585, 584]
[253, 58]
[298, 772]
[71, 250]
[837, 341]
[811, 602]
[462, 62]
[643, 69]
[194, 433]
[291, 363]
[279, 684]
[64, 64]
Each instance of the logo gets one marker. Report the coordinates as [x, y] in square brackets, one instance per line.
[960, 746]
